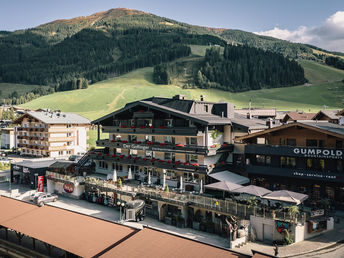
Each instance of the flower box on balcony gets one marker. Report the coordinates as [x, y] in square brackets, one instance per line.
[113, 155]
[152, 160]
[132, 127]
[142, 127]
[150, 143]
[141, 111]
[129, 157]
[145, 159]
[122, 156]
[224, 145]
[168, 161]
[112, 140]
[178, 162]
[186, 163]
[162, 144]
[107, 154]
[151, 127]
[137, 142]
[136, 158]
[91, 152]
[180, 145]
[123, 126]
[124, 141]
[162, 127]
[98, 154]
[213, 146]
[195, 164]
[160, 160]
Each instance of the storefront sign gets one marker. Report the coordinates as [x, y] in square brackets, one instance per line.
[314, 175]
[68, 187]
[319, 153]
[40, 183]
[135, 146]
[317, 213]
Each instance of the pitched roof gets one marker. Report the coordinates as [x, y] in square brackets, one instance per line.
[295, 116]
[49, 117]
[332, 114]
[252, 123]
[150, 243]
[177, 110]
[257, 112]
[322, 126]
[286, 196]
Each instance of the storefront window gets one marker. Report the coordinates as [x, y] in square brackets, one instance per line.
[339, 165]
[268, 160]
[329, 192]
[288, 162]
[260, 159]
[191, 158]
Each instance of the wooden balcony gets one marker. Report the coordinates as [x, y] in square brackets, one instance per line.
[148, 162]
[185, 131]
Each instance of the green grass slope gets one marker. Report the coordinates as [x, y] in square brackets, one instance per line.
[106, 96]
[8, 88]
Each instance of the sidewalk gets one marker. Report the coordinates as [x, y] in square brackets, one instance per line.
[310, 245]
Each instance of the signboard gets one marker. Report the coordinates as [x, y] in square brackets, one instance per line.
[68, 187]
[306, 152]
[317, 213]
[295, 173]
[135, 146]
[40, 183]
[319, 153]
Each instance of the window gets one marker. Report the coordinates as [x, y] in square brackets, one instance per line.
[339, 165]
[168, 122]
[288, 162]
[291, 142]
[132, 152]
[132, 138]
[206, 108]
[169, 139]
[339, 144]
[170, 174]
[191, 158]
[167, 156]
[148, 153]
[191, 140]
[260, 159]
[268, 160]
[311, 143]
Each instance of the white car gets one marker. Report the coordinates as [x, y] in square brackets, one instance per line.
[36, 194]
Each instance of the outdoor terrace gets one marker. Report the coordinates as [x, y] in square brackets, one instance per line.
[162, 130]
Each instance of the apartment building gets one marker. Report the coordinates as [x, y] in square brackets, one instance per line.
[170, 141]
[52, 133]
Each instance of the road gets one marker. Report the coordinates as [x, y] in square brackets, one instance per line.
[336, 251]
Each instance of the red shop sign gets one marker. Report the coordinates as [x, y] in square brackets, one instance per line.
[69, 188]
[40, 184]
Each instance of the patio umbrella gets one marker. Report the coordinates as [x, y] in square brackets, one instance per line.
[286, 196]
[223, 186]
[252, 190]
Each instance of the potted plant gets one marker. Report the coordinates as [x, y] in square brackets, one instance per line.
[293, 211]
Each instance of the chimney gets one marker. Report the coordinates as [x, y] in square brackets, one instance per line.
[180, 97]
[269, 122]
[249, 115]
[202, 97]
[230, 110]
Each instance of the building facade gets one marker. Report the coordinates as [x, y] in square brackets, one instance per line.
[8, 138]
[52, 134]
[305, 157]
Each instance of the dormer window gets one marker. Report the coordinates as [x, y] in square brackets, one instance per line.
[206, 108]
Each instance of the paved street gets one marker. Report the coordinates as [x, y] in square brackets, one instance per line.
[336, 251]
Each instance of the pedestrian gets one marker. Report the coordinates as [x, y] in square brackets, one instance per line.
[276, 249]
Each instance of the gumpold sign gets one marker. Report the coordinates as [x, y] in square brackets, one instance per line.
[319, 153]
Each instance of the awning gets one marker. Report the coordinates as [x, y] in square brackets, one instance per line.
[230, 177]
[223, 186]
[286, 196]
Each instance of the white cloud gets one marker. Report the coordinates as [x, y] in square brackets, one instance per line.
[329, 35]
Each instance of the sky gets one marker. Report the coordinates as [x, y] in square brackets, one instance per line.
[317, 22]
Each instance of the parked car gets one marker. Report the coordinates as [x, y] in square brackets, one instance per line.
[74, 158]
[36, 194]
[40, 200]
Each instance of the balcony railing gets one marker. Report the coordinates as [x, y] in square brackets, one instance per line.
[162, 130]
[190, 199]
[152, 162]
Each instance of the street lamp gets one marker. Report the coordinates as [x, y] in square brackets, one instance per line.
[121, 205]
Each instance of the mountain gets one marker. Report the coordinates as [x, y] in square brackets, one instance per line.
[66, 53]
